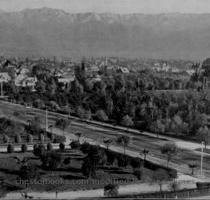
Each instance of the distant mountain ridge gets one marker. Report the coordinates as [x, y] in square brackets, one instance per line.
[51, 32]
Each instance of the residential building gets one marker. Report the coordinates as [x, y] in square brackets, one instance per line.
[4, 77]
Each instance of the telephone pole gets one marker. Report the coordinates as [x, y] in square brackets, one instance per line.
[2, 92]
[202, 144]
[46, 120]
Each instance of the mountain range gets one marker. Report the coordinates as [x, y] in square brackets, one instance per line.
[51, 32]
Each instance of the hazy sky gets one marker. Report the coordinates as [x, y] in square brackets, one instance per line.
[117, 6]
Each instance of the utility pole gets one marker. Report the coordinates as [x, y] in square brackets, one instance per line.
[46, 120]
[2, 93]
[202, 144]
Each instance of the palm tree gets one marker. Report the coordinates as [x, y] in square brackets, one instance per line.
[107, 142]
[192, 166]
[169, 149]
[29, 122]
[123, 140]
[145, 152]
[62, 124]
[79, 135]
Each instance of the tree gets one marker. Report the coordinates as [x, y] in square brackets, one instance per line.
[158, 127]
[24, 148]
[101, 115]
[145, 152]
[127, 121]
[111, 190]
[192, 166]
[62, 146]
[174, 186]
[122, 161]
[35, 149]
[78, 134]
[49, 147]
[51, 160]
[39, 150]
[28, 172]
[135, 162]
[203, 135]
[177, 124]
[29, 138]
[111, 157]
[138, 173]
[10, 148]
[169, 149]
[52, 136]
[62, 124]
[91, 162]
[159, 176]
[16, 113]
[6, 139]
[107, 142]
[80, 111]
[67, 161]
[123, 140]
[18, 138]
[85, 147]
[41, 138]
[75, 145]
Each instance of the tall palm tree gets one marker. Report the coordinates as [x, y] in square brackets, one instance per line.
[107, 142]
[123, 140]
[145, 152]
[79, 135]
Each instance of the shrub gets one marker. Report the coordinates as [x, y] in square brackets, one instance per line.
[123, 161]
[101, 115]
[135, 162]
[24, 148]
[41, 138]
[111, 156]
[29, 138]
[39, 150]
[111, 190]
[52, 137]
[28, 172]
[10, 148]
[85, 147]
[75, 145]
[159, 176]
[6, 139]
[49, 147]
[35, 147]
[62, 146]
[172, 173]
[126, 121]
[51, 160]
[67, 161]
[16, 114]
[59, 139]
[18, 138]
[138, 174]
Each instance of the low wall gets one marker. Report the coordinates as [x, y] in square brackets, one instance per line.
[185, 193]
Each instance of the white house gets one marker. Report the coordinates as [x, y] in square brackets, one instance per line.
[4, 77]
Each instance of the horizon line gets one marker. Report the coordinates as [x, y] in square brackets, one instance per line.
[93, 12]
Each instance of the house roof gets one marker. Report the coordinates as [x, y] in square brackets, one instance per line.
[4, 77]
